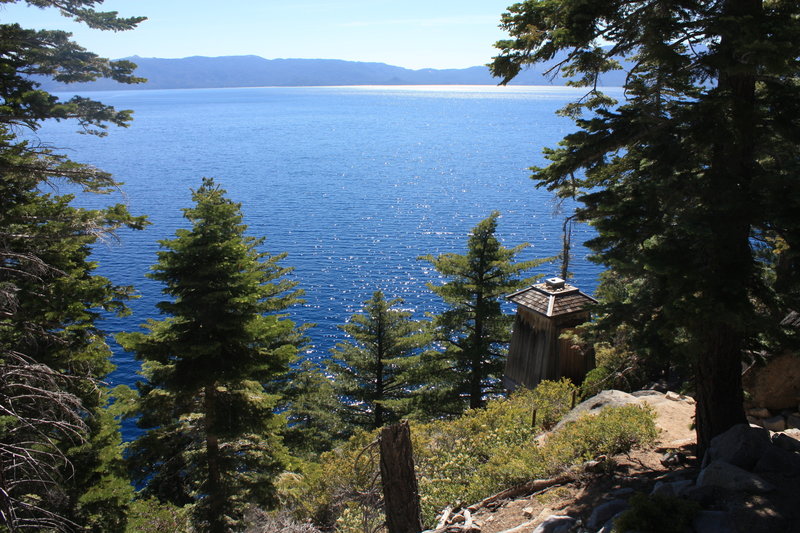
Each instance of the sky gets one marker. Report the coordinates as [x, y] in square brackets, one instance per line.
[408, 33]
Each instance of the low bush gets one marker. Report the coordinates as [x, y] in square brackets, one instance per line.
[614, 430]
[464, 460]
[321, 491]
[151, 516]
[260, 521]
[552, 400]
[449, 455]
[657, 514]
[596, 380]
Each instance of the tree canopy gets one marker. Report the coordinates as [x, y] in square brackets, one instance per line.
[474, 330]
[212, 438]
[59, 448]
[691, 179]
[375, 371]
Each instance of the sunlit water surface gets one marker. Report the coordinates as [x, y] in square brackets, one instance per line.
[355, 183]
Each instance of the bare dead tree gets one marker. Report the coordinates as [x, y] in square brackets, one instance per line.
[36, 415]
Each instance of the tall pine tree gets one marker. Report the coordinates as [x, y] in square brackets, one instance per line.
[211, 436]
[375, 372]
[691, 181]
[59, 449]
[474, 329]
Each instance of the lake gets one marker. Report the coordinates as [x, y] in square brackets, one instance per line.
[353, 182]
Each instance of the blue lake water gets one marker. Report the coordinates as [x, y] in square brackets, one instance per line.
[354, 183]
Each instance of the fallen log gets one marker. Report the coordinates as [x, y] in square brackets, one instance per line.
[445, 517]
[532, 486]
[451, 523]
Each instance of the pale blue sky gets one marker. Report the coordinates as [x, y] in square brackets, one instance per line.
[408, 33]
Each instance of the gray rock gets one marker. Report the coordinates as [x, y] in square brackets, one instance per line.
[753, 421]
[775, 385]
[713, 522]
[705, 496]
[622, 491]
[642, 393]
[786, 443]
[793, 421]
[606, 398]
[793, 432]
[674, 396]
[608, 527]
[674, 488]
[759, 412]
[789, 440]
[556, 524]
[730, 477]
[777, 460]
[660, 386]
[742, 445]
[671, 459]
[774, 423]
[603, 512]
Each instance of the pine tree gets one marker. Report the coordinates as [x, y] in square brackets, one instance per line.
[211, 436]
[691, 181]
[311, 407]
[59, 449]
[374, 371]
[474, 330]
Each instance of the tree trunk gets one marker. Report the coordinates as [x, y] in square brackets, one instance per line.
[719, 388]
[476, 377]
[400, 492]
[213, 487]
[729, 271]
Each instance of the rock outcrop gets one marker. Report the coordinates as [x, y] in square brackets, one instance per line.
[774, 385]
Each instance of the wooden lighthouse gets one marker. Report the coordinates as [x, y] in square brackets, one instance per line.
[537, 352]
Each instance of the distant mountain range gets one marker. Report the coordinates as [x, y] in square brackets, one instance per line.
[253, 71]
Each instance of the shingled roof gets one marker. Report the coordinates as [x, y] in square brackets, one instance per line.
[554, 297]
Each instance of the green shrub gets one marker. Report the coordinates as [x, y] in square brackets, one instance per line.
[464, 460]
[552, 400]
[612, 431]
[260, 521]
[321, 491]
[450, 455]
[656, 514]
[152, 516]
[595, 381]
[471, 467]
[360, 519]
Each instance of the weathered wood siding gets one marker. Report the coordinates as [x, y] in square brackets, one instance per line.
[537, 353]
[573, 362]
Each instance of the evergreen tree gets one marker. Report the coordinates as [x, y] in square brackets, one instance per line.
[474, 330]
[691, 181]
[59, 448]
[311, 408]
[211, 436]
[374, 372]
